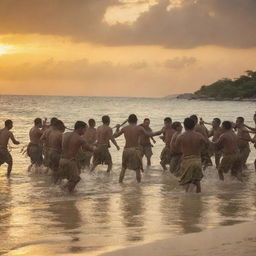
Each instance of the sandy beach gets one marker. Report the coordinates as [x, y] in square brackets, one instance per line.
[237, 240]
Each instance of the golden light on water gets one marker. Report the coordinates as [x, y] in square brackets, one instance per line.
[4, 49]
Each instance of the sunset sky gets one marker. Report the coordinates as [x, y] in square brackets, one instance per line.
[141, 48]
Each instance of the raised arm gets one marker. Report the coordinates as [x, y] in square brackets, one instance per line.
[250, 128]
[118, 132]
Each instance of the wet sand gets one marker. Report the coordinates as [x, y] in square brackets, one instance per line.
[237, 240]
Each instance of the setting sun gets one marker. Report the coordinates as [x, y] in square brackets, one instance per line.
[4, 49]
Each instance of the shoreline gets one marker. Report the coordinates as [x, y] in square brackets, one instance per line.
[236, 240]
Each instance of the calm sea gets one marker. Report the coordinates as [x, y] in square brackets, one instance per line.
[38, 218]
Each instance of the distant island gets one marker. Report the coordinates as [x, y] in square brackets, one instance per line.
[242, 88]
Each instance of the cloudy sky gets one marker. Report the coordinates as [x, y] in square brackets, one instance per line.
[144, 48]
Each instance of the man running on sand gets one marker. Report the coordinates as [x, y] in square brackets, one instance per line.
[228, 143]
[5, 135]
[68, 166]
[191, 144]
[101, 154]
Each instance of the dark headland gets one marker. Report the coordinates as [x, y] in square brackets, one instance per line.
[238, 89]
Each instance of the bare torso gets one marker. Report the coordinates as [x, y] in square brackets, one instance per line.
[201, 129]
[216, 132]
[71, 143]
[35, 134]
[55, 139]
[132, 134]
[90, 135]
[144, 139]
[104, 134]
[168, 133]
[243, 137]
[173, 146]
[5, 135]
[228, 142]
[191, 143]
[45, 136]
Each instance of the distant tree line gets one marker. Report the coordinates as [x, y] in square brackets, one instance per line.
[242, 87]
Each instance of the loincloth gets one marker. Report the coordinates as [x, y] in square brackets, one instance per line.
[34, 151]
[230, 162]
[206, 158]
[132, 159]
[146, 150]
[5, 156]
[68, 169]
[165, 155]
[54, 158]
[244, 153]
[214, 151]
[83, 158]
[101, 155]
[46, 155]
[191, 170]
[175, 163]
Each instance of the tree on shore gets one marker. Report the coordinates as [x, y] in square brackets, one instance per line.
[242, 87]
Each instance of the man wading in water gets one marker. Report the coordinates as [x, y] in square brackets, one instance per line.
[5, 135]
[191, 144]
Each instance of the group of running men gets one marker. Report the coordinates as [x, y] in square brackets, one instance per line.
[187, 153]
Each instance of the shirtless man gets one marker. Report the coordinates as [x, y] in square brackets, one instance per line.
[90, 137]
[176, 153]
[145, 143]
[228, 143]
[191, 144]
[215, 133]
[168, 132]
[34, 149]
[45, 140]
[54, 145]
[243, 140]
[132, 158]
[200, 128]
[253, 130]
[101, 154]
[68, 167]
[5, 135]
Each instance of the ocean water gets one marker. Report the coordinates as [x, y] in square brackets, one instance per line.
[39, 218]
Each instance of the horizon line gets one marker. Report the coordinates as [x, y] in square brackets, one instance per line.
[57, 95]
